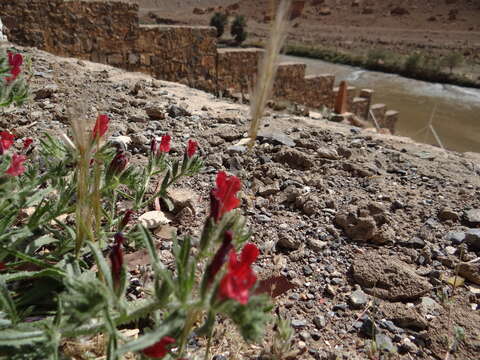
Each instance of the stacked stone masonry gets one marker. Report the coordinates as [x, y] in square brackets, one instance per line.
[110, 33]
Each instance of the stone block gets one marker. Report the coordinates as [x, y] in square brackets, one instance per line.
[115, 59]
[366, 94]
[360, 107]
[133, 58]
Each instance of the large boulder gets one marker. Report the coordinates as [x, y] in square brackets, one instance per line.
[369, 223]
[388, 278]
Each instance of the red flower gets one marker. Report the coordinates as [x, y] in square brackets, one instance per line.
[26, 143]
[159, 350]
[101, 126]
[2, 266]
[15, 61]
[165, 144]
[116, 258]
[223, 198]
[191, 148]
[240, 277]
[16, 166]
[6, 140]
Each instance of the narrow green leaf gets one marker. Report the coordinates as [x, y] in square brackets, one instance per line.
[101, 263]
[24, 275]
[7, 302]
[10, 337]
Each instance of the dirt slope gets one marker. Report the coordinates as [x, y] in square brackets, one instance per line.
[365, 227]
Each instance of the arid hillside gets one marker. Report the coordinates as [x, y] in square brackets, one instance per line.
[448, 15]
[437, 27]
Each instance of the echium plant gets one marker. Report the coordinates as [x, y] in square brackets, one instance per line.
[63, 236]
[13, 87]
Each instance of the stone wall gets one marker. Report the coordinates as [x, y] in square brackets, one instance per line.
[237, 69]
[79, 29]
[109, 32]
[183, 54]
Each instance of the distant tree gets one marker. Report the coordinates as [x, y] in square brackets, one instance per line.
[452, 60]
[218, 21]
[238, 29]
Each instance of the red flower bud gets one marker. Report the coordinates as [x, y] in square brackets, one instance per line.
[26, 143]
[159, 349]
[16, 166]
[220, 257]
[191, 148]
[153, 146]
[101, 126]
[118, 165]
[127, 217]
[116, 258]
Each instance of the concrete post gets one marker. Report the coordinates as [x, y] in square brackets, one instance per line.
[351, 91]
[341, 101]
[367, 94]
[391, 118]
[360, 107]
[378, 111]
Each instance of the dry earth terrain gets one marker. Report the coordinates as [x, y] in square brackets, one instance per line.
[365, 230]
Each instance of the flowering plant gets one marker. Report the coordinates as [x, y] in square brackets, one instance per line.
[13, 86]
[63, 235]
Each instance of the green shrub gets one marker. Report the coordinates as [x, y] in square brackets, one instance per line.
[238, 29]
[218, 21]
[413, 63]
[376, 57]
[452, 61]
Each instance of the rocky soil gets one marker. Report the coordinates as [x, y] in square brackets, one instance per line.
[364, 232]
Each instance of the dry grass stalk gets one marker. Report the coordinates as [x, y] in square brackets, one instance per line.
[268, 68]
[82, 142]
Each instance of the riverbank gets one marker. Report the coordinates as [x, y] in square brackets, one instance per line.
[452, 110]
[345, 31]
[418, 66]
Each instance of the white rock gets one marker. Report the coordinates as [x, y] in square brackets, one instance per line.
[3, 37]
[153, 219]
[123, 140]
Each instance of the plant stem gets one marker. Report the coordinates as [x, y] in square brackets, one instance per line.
[191, 319]
[96, 201]
[209, 343]
[113, 206]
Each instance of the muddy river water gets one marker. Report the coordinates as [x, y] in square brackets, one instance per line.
[455, 110]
